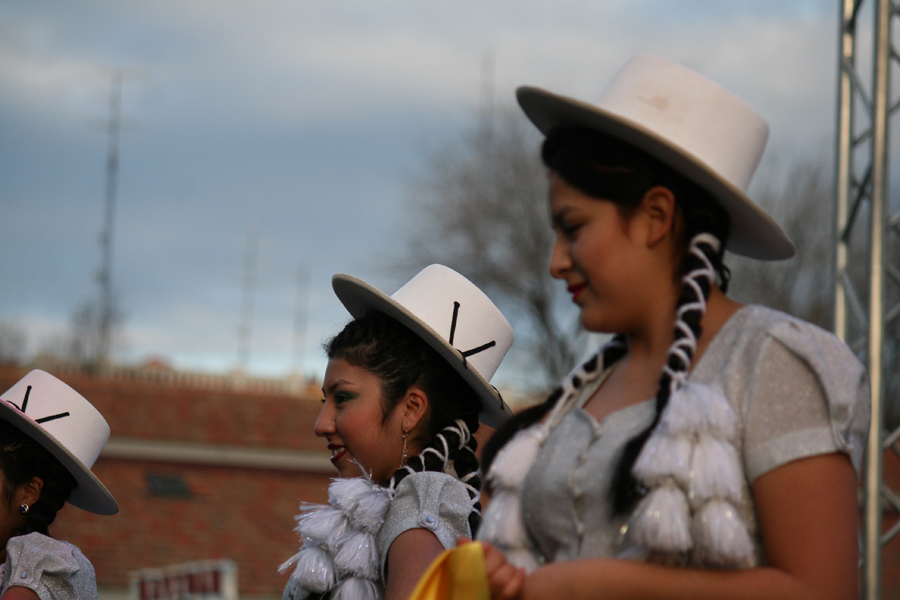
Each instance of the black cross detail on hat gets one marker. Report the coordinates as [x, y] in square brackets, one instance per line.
[466, 353]
[25, 405]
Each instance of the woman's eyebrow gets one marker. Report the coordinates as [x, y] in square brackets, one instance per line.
[556, 217]
[334, 385]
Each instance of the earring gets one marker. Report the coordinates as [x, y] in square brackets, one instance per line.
[24, 508]
[403, 459]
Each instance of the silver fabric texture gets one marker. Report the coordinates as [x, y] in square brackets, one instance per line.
[796, 389]
[52, 569]
[430, 500]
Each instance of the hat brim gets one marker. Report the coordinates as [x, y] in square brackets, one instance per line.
[89, 493]
[360, 298]
[753, 233]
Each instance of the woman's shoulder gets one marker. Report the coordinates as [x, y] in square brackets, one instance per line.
[431, 490]
[33, 558]
[428, 500]
[755, 326]
[38, 543]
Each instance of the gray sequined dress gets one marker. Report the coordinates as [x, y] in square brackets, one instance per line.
[796, 389]
[52, 569]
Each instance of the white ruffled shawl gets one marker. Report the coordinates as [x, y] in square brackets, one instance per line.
[339, 556]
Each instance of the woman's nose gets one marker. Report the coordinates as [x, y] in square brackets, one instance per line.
[325, 421]
[560, 260]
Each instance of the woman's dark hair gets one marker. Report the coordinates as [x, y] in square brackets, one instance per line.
[22, 459]
[400, 359]
[606, 168]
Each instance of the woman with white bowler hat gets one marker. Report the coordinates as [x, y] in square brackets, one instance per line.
[50, 437]
[711, 449]
[406, 385]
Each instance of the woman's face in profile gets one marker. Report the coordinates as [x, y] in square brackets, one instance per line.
[596, 254]
[353, 423]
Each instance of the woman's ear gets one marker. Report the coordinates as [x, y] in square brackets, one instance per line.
[29, 492]
[660, 208]
[415, 407]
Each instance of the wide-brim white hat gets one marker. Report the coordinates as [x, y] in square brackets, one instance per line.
[692, 124]
[68, 426]
[450, 313]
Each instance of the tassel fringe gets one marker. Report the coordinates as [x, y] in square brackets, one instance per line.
[694, 475]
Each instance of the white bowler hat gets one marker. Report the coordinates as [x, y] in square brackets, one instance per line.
[68, 426]
[450, 313]
[692, 124]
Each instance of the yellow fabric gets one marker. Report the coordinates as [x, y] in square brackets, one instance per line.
[456, 574]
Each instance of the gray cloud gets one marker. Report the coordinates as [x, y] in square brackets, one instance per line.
[301, 119]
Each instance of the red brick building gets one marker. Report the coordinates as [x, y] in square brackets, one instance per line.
[199, 473]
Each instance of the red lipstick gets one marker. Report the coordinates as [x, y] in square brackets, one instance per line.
[575, 289]
[342, 450]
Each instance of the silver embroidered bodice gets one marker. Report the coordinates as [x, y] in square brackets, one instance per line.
[797, 391]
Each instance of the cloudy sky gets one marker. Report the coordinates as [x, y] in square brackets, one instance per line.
[303, 121]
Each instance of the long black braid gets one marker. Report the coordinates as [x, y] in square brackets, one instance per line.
[22, 459]
[606, 168]
[400, 359]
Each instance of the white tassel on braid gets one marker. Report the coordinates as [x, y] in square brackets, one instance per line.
[690, 464]
[339, 559]
[503, 524]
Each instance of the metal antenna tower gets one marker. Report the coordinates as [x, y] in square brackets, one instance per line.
[106, 309]
[863, 296]
[249, 289]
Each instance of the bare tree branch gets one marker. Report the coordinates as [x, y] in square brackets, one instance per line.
[480, 207]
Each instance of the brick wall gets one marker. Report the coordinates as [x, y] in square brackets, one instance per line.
[242, 514]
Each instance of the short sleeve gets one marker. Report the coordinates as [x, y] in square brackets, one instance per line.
[52, 569]
[808, 395]
[430, 500]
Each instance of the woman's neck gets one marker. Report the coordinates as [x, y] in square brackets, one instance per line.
[635, 377]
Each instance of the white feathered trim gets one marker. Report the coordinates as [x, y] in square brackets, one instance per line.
[664, 457]
[357, 555]
[715, 472]
[696, 512]
[314, 571]
[697, 408]
[320, 524]
[515, 460]
[504, 524]
[721, 536]
[370, 510]
[356, 588]
[345, 493]
[661, 522]
[339, 547]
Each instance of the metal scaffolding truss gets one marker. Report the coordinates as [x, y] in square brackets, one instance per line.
[867, 255]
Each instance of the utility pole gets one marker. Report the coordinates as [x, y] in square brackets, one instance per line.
[249, 290]
[486, 108]
[298, 342]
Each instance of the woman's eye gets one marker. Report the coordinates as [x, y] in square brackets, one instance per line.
[570, 230]
[341, 397]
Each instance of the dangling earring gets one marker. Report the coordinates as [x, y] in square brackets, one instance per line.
[403, 459]
[24, 508]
